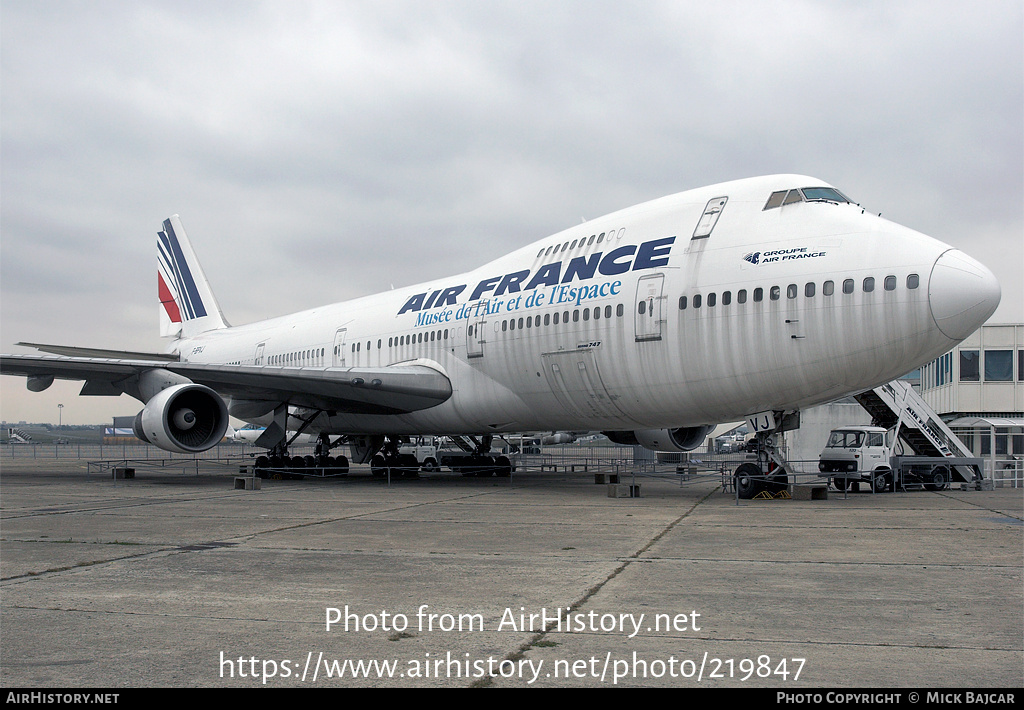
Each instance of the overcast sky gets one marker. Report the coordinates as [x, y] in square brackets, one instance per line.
[321, 151]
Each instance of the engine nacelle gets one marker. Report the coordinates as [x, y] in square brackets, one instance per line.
[682, 439]
[185, 419]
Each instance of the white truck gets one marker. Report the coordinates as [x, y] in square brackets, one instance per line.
[863, 454]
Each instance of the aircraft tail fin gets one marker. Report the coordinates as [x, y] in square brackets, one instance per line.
[187, 304]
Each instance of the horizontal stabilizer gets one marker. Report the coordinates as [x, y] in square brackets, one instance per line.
[72, 351]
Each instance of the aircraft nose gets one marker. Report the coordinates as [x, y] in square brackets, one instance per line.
[962, 294]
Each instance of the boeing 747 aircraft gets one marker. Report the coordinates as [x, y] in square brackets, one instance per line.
[747, 299]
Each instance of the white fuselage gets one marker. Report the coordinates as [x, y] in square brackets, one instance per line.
[630, 322]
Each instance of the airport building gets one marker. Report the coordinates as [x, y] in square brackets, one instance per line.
[978, 390]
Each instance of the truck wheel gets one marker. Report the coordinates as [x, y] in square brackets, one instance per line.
[748, 480]
[430, 466]
[938, 479]
[880, 483]
[378, 466]
[839, 483]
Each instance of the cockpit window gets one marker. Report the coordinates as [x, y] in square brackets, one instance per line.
[810, 194]
[828, 194]
[775, 200]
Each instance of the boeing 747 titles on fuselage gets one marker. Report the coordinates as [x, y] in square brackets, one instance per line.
[752, 298]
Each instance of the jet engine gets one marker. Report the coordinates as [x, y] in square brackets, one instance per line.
[682, 439]
[185, 419]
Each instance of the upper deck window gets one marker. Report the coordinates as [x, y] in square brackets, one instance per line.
[808, 194]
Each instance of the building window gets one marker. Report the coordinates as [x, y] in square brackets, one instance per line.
[970, 370]
[999, 366]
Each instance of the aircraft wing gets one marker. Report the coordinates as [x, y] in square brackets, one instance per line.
[375, 390]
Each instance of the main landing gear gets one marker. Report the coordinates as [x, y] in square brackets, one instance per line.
[277, 464]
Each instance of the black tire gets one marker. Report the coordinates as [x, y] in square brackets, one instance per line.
[503, 467]
[341, 465]
[839, 483]
[378, 466]
[880, 482]
[939, 479]
[430, 466]
[748, 480]
[778, 482]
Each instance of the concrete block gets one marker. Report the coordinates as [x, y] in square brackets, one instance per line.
[603, 478]
[248, 483]
[124, 473]
[623, 490]
[813, 492]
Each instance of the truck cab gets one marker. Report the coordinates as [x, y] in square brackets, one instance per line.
[855, 454]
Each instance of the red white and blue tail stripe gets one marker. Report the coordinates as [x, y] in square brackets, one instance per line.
[187, 304]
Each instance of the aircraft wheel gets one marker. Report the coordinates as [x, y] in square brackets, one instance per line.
[341, 465]
[778, 482]
[378, 466]
[747, 480]
[262, 464]
[503, 467]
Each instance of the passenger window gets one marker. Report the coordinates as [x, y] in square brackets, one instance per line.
[682, 303]
[809, 290]
[890, 283]
[504, 326]
[576, 316]
[641, 307]
[586, 314]
[711, 300]
[547, 318]
[913, 281]
[597, 312]
[791, 291]
[520, 324]
[619, 310]
[869, 284]
[758, 294]
[848, 286]
[775, 293]
[726, 298]
[556, 317]
[607, 311]
[741, 296]
[828, 288]
[696, 301]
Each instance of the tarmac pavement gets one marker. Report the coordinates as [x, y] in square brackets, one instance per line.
[174, 579]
